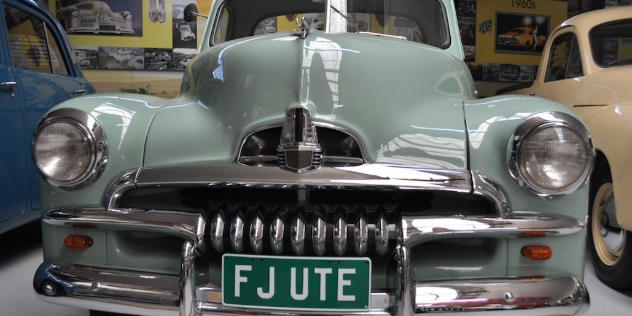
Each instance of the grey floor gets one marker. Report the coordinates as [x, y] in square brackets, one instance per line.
[22, 252]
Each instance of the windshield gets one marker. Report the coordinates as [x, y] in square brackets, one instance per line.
[611, 43]
[422, 21]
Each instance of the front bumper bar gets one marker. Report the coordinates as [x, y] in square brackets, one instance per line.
[141, 293]
[154, 294]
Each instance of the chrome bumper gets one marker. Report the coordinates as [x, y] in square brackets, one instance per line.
[140, 293]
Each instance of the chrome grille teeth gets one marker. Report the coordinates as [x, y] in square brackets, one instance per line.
[319, 236]
[256, 235]
[276, 235]
[381, 236]
[361, 236]
[217, 233]
[314, 231]
[340, 237]
[298, 236]
[237, 234]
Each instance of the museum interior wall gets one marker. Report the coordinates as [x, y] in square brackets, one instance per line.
[503, 40]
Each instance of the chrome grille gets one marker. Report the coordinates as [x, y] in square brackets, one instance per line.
[295, 229]
[88, 21]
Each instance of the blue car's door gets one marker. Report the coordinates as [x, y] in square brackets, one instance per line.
[14, 176]
[14, 160]
[39, 71]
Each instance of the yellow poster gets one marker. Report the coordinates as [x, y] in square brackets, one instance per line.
[514, 31]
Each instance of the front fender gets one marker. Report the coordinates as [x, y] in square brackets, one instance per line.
[611, 127]
[125, 119]
[490, 124]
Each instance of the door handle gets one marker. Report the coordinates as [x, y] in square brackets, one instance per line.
[80, 91]
[10, 84]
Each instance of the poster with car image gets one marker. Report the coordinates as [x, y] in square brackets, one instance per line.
[184, 34]
[521, 33]
[514, 31]
[108, 17]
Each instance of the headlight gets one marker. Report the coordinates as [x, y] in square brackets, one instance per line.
[69, 148]
[551, 154]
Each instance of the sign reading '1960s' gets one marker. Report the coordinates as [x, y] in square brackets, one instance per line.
[297, 283]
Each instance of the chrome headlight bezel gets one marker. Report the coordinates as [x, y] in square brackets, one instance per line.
[95, 139]
[535, 124]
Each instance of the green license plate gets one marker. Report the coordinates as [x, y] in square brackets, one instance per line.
[296, 283]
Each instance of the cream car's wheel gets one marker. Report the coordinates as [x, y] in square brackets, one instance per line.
[607, 235]
[610, 245]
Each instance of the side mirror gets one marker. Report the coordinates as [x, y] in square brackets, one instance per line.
[191, 12]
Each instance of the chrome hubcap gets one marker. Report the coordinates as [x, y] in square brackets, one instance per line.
[609, 228]
[608, 237]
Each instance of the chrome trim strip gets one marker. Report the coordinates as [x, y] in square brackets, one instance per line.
[342, 159]
[189, 226]
[500, 294]
[404, 287]
[486, 187]
[367, 176]
[416, 230]
[247, 159]
[186, 284]
[114, 192]
[538, 122]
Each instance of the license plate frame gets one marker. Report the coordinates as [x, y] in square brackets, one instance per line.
[347, 283]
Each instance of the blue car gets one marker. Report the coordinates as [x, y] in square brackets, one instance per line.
[37, 71]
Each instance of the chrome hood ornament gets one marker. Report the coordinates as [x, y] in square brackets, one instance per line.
[298, 148]
[307, 24]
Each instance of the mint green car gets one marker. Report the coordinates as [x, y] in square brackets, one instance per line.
[316, 171]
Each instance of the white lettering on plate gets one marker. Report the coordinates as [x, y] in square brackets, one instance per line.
[296, 296]
[239, 279]
[270, 293]
[323, 283]
[342, 283]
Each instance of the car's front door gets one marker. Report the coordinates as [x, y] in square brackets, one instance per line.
[14, 175]
[40, 64]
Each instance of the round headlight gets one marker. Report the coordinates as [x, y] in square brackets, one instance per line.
[551, 154]
[69, 148]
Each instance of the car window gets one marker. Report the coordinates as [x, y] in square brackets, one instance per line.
[422, 21]
[222, 27]
[564, 59]
[33, 46]
[611, 43]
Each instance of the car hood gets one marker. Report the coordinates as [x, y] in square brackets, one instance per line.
[401, 100]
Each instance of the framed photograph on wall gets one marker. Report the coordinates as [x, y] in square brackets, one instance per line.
[109, 17]
[521, 33]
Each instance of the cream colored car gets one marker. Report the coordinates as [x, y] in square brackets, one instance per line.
[587, 66]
